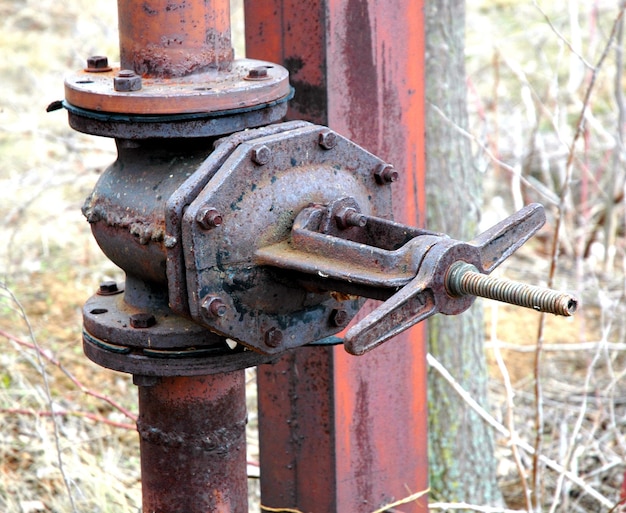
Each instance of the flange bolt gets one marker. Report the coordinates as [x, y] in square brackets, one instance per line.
[261, 155]
[214, 306]
[126, 81]
[350, 217]
[208, 218]
[97, 64]
[108, 288]
[463, 279]
[327, 139]
[142, 320]
[273, 337]
[385, 174]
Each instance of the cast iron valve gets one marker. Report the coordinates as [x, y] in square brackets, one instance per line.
[272, 242]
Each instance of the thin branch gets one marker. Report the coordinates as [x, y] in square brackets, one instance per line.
[280, 510]
[510, 169]
[446, 506]
[561, 36]
[406, 500]
[46, 384]
[565, 188]
[490, 420]
[69, 413]
[509, 408]
[70, 376]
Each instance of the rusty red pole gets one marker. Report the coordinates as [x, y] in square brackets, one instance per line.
[165, 38]
[341, 433]
[193, 443]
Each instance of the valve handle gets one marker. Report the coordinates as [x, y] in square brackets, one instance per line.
[452, 274]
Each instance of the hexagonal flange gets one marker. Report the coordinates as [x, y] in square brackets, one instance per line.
[257, 200]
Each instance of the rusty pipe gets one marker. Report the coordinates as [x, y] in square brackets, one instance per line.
[169, 38]
[193, 443]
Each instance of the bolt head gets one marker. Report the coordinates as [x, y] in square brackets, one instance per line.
[385, 174]
[208, 218]
[127, 80]
[348, 217]
[97, 64]
[258, 73]
[273, 337]
[339, 318]
[108, 288]
[327, 139]
[214, 306]
[142, 320]
[261, 155]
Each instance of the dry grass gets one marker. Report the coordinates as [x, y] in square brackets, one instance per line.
[51, 264]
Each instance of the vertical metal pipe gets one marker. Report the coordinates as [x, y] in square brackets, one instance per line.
[193, 443]
[169, 38]
[357, 424]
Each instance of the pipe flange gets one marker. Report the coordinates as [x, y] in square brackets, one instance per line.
[211, 91]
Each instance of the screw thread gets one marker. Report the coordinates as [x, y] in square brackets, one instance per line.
[464, 279]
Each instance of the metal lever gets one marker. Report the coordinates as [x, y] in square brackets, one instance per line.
[445, 282]
[418, 273]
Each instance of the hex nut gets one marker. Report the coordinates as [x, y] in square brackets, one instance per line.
[261, 155]
[214, 306]
[339, 318]
[142, 320]
[97, 64]
[273, 337]
[327, 139]
[108, 288]
[208, 218]
[348, 217]
[385, 174]
[127, 81]
[258, 73]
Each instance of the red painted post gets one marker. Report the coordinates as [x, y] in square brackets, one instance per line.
[340, 433]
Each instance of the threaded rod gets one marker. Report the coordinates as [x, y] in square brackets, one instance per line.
[464, 279]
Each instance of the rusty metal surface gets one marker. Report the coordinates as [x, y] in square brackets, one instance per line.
[299, 474]
[359, 70]
[173, 127]
[134, 331]
[182, 198]
[257, 192]
[174, 38]
[208, 92]
[126, 210]
[193, 444]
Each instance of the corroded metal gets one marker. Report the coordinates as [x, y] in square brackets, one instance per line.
[258, 191]
[326, 440]
[193, 444]
[208, 92]
[464, 279]
[174, 38]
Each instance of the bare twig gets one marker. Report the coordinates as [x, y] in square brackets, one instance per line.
[447, 506]
[561, 36]
[69, 413]
[280, 510]
[509, 408]
[565, 188]
[407, 500]
[575, 431]
[490, 420]
[70, 376]
[503, 165]
[46, 384]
